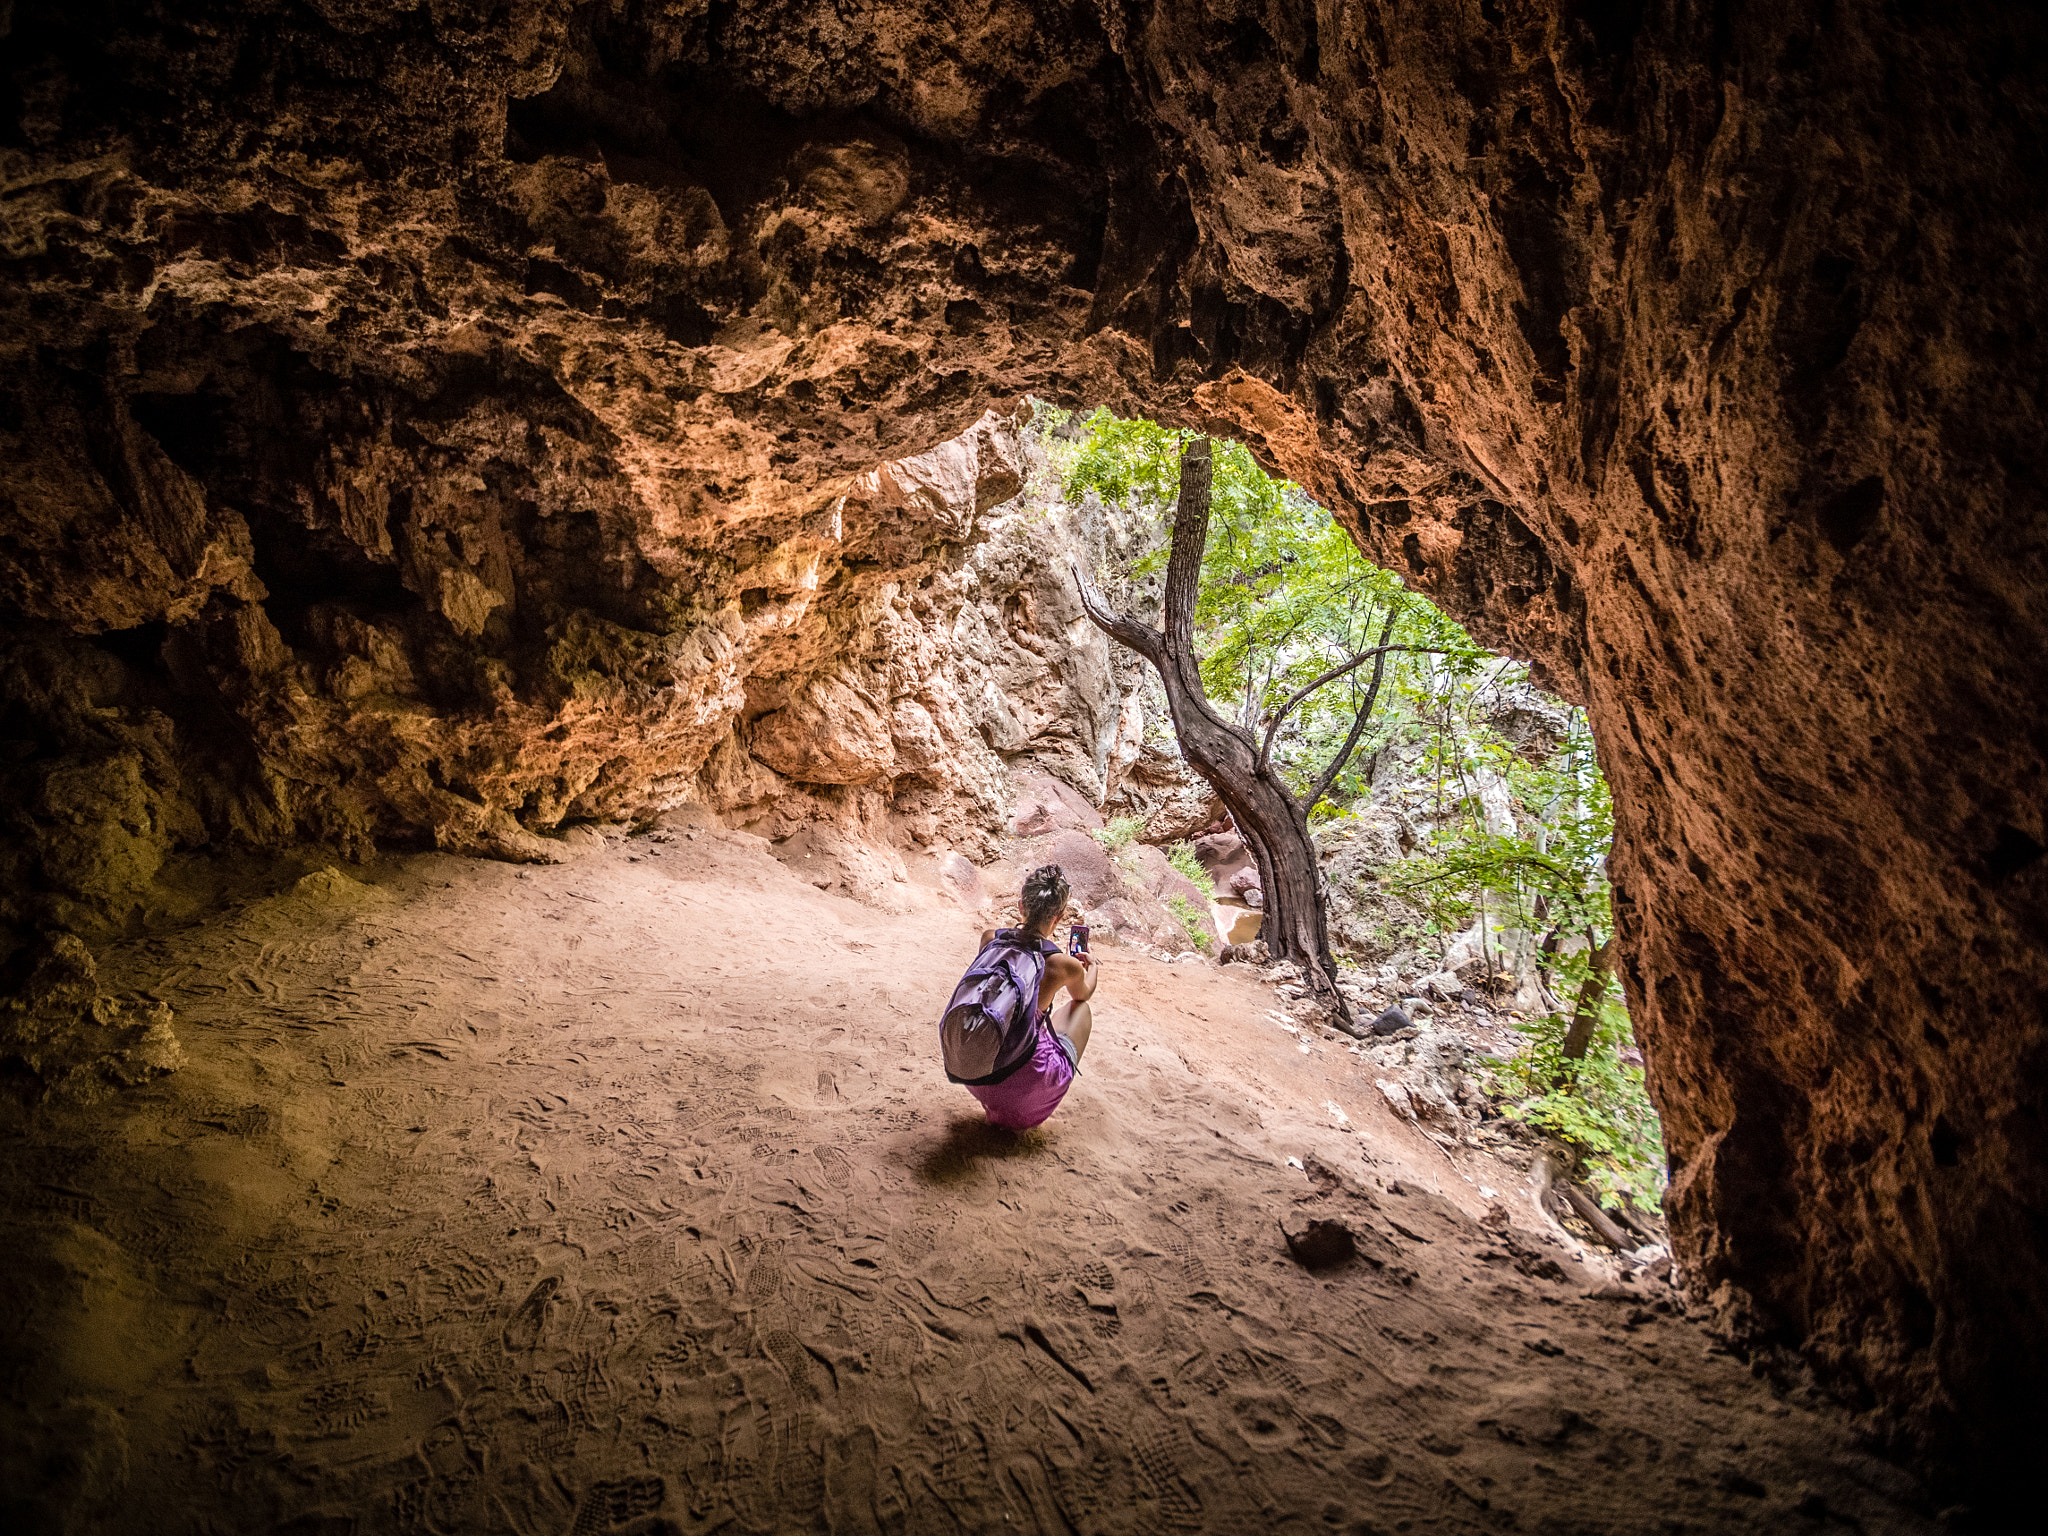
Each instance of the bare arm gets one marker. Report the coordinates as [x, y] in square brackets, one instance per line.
[1077, 976]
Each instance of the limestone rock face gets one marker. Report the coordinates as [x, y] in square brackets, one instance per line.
[830, 733]
[1367, 921]
[449, 421]
[58, 1026]
[903, 704]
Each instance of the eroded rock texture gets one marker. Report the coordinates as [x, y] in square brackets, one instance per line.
[418, 417]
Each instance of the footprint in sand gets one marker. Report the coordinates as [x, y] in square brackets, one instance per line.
[1192, 1269]
[1066, 1299]
[686, 1357]
[1162, 1456]
[71, 1204]
[1264, 1421]
[915, 1242]
[340, 1408]
[1138, 1295]
[959, 1471]
[896, 1117]
[250, 1122]
[764, 1280]
[828, 1088]
[523, 1332]
[837, 1165]
[614, 1503]
[553, 1435]
[892, 1502]
[1082, 1488]
[747, 1459]
[799, 1473]
[900, 1349]
[788, 1352]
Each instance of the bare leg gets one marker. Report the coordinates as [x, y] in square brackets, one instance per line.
[1073, 1020]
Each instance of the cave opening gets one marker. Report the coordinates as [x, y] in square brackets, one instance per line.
[1451, 803]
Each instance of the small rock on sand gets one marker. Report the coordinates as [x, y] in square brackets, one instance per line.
[1318, 1242]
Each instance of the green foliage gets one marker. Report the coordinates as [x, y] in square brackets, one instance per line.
[1547, 870]
[1191, 918]
[1119, 832]
[1597, 1105]
[1182, 858]
[1122, 461]
[1286, 596]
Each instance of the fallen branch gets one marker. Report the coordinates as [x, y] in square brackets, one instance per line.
[1629, 1218]
[1588, 1210]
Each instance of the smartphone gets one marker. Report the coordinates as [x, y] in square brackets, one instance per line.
[1077, 939]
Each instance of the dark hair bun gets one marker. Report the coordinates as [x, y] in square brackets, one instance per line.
[1045, 893]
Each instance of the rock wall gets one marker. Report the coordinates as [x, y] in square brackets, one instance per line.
[402, 394]
[893, 715]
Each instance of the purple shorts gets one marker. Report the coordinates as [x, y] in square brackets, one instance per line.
[1034, 1090]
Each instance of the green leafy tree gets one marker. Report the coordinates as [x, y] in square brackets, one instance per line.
[1287, 609]
[1595, 1102]
[1271, 815]
[1544, 875]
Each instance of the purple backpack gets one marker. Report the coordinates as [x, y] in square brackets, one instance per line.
[991, 1025]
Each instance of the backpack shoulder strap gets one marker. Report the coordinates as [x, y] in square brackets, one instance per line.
[1036, 952]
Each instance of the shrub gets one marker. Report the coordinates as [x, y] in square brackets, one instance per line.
[1119, 833]
[1191, 918]
[1182, 858]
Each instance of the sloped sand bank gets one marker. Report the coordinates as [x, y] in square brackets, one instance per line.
[627, 1195]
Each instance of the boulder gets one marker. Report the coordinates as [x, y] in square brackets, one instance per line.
[1089, 869]
[1192, 807]
[1046, 804]
[830, 733]
[1318, 1242]
[76, 1041]
[962, 879]
[1390, 1022]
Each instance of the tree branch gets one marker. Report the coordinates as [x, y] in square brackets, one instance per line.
[1142, 638]
[1266, 751]
[1358, 725]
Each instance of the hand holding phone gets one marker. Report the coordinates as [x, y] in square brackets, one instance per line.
[1077, 941]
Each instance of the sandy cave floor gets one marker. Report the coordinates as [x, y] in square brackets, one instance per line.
[628, 1195]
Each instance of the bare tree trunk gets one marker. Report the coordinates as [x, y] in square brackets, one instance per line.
[1270, 818]
[1586, 1009]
